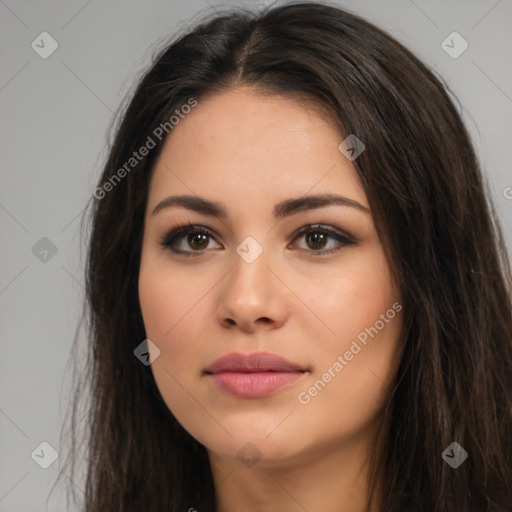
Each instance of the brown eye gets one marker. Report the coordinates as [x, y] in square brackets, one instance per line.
[197, 241]
[188, 241]
[317, 238]
[193, 240]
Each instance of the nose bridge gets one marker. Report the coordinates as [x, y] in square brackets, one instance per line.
[250, 276]
[251, 291]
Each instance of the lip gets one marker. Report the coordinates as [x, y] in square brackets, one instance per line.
[253, 375]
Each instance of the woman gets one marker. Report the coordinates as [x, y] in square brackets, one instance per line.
[298, 295]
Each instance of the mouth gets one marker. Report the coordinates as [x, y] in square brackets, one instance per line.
[253, 375]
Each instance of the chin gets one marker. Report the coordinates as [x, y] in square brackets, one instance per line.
[254, 447]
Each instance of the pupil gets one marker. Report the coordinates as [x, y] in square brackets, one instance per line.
[318, 238]
[194, 237]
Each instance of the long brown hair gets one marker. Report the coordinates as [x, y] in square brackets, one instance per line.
[432, 212]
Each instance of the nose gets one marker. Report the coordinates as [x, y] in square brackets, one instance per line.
[252, 296]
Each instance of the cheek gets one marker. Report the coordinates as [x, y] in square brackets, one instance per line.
[171, 304]
[351, 380]
[355, 363]
[168, 301]
[164, 313]
[349, 298]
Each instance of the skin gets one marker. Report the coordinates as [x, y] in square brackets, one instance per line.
[250, 151]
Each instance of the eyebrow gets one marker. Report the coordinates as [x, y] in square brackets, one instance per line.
[281, 210]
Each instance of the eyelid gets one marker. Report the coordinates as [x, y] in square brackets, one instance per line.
[331, 230]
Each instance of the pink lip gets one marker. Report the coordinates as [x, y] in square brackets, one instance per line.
[253, 375]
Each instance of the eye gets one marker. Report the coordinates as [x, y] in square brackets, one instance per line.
[317, 236]
[198, 237]
[195, 236]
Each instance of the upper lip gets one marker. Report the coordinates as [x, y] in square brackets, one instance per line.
[255, 362]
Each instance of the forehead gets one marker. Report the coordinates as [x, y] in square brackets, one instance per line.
[245, 143]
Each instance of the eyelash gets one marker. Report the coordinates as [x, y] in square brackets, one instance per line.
[180, 231]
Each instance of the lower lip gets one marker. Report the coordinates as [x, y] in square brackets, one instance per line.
[256, 384]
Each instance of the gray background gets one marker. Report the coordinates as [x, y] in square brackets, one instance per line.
[54, 116]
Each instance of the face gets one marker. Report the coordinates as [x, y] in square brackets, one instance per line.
[306, 281]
